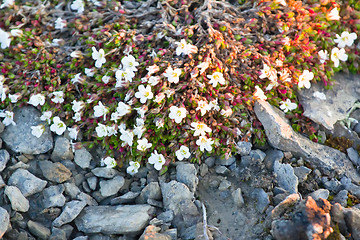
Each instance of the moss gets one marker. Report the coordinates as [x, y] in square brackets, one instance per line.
[339, 143]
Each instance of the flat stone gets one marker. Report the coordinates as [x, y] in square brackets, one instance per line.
[87, 198]
[351, 187]
[224, 185]
[70, 212]
[4, 158]
[82, 158]
[302, 173]
[187, 174]
[243, 148]
[288, 202]
[53, 196]
[71, 190]
[353, 156]
[150, 191]
[280, 135]
[39, 230]
[92, 181]
[122, 219]
[286, 177]
[257, 155]
[26, 182]
[166, 216]
[112, 186]
[25, 118]
[341, 198]
[62, 150]
[127, 198]
[238, 198]
[4, 221]
[57, 234]
[55, 172]
[273, 155]
[222, 170]
[210, 161]
[105, 172]
[352, 218]
[225, 161]
[262, 199]
[320, 193]
[332, 185]
[18, 201]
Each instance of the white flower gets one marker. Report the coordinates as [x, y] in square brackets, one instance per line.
[7, 3]
[109, 162]
[129, 62]
[140, 122]
[305, 78]
[268, 72]
[203, 66]
[200, 128]
[14, 97]
[100, 110]
[46, 116]
[133, 168]
[78, 5]
[77, 117]
[115, 116]
[157, 159]
[286, 40]
[203, 106]
[76, 54]
[111, 130]
[16, 32]
[3, 90]
[77, 105]
[333, 15]
[58, 126]
[338, 54]
[139, 131]
[144, 93]
[96, 3]
[38, 130]
[153, 80]
[73, 132]
[182, 153]
[4, 39]
[127, 136]
[323, 55]
[126, 74]
[214, 105]
[143, 144]
[282, 2]
[287, 105]
[205, 143]
[152, 69]
[278, 63]
[77, 79]
[215, 78]
[8, 118]
[227, 111]
[60, 23]
[159, 122]
[106, 79]
[58, 97]
[98, 56]
[178, 114]
[172, 74]
[285, 75]
[259, 94]
[346, 39]
[169, 92]
[101, 130]
[90, 72]
[120, 83]
[123, 109]
[141, 110]
[37, 99]
[159, 98]
[186, 48]
[57, 42]
[319, 95]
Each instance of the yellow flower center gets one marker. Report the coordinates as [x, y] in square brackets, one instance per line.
[174, 74]
[146, 94]
[178, 113]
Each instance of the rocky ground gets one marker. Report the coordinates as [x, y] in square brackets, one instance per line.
[291, 188]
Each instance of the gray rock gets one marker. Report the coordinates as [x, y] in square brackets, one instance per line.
[352, 219]
[357, 128]
[273, 155]
[105, 172]
[173, 233]
[2, 183]
[55, 172]
[87, 198]
[288, 202]
[320, 193]
[150, 191]
[210, 161]
[4, 221]
[186, 173]
[224, 185]
[261, 198]
[257, 155]
[127, 198]
[243, 148]
[204, 169]
[127, 219]
[57, 234]
[18, 201]
[225, 161]
[152, 232]
[354, 156]
[112, 186]
[81, 238]
[4, 158]
[62, 150]
[332, 185]
[53, 196]
[341, 198]
[26, 182]
[351, 187]
[82, 158]
[38, 230]
[286, 177]
[284, 230]
[25, 118]
[222, 170]
[92, 181]
[238, 198]
[281, 136]
[166, 216]
[71, 190]
[302, 173]
[70, 212]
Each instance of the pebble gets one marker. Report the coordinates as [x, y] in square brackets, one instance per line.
[55, 172]
[302, 173]
[286, 177]
[341, 198]
[57, 234]
[18, 201]
[354, 156]
[82, 158]
[4, 221]
[320, 193]
[272, 156]
[26, 182]
[62, 150]
[257, 155]
[225, 161]
[71, 190]
[87, 198]
[105, 172]
[151, 191]
[210, 161]
[112, 186]
[2, 183]
[166, 216]
[38, 230]
[243, 148]
[187, 174]
[222, 170]
[204, 169]
[92, 182]
[332, 185]
[224, 185]
[4, 158]
[238, 198]
[53, 196]
[127, 198]
[71, 210]
[262, 199]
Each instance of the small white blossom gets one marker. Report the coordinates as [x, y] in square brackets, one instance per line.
[58, 97]
[111, 130]
[73, 132]
[78, 5]
[177, 114]
[200, 128]
[37, 99]
[182, 153]
[100, 110]
[123, 109]
[57, 42]
[214, 105]
[4, 39]
[323, 55]
[143, 144]
[346, 39]
[16, 32]
[337, 55]
[76, 54]
[127, 136]
[106, 79]
[7, 3]
[125, 74]
[101, 130]
[226, 112]
[333, 15]
[46, 116]
[203, 66]
[8, 118]
[159, 97]
[259, 94]
[38, 130]
[109, 162]
[98, 56]
[58, 126]
[77, 117]
[77, 79]
[90, 72]
[152, 69]
[305, 78]
[157, 159]
[169, 92]
[203, 106]
[144, 93]
[139, 131]
[77, 105]
[159, 122]
[172, 75]
[133, 168]
[205, 143]
[215, 78]
[287, 105]
[153, 80]
[186, 48]
[268, 72]
[60, 23]
[282, 2]
[14, 97]
[129, 62]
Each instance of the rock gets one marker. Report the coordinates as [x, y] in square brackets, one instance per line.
[222, 170]
[225, 161]
[122, 219]
[25, 118]
[351, 187]
[224, 185]
[281, 136]
[87, 198]
[273, 155]
[320, 193]
[53, 196]
[70, 212]
[288, 202]
[210, 161]
[302, 173]
[352, 219]
[150, 191]
[357, 128]
[26, 182]
[55, 172]
[166, 216]
[18, 201]
[38, 230]
[204, 169]
[238, 198]
[82, 158]
[58, 234]
[71, 190]
[243, 148]
[105, 172]
[332, 185]
[152, 233]
[4, 221]
[257, 155]
[262, 199]
[286, 177]
[354, 156]
[338, 102]
[2, 183]
[62, 150]
[4, 158]
[341, 198]
[186, 173]
[92, 181]
[127, 198]
[112, 186]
